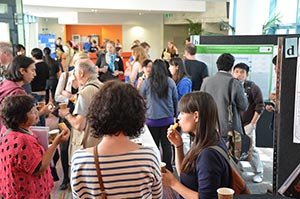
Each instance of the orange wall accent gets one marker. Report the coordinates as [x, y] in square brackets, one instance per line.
[111, 32]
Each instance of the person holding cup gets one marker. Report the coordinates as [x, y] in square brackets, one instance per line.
[25, 165]
[202, 170]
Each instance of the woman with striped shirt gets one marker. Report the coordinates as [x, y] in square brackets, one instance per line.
[128, 170]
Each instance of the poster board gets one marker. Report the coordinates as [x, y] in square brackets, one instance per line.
[257, 57]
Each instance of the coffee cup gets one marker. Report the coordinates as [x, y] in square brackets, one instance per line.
[53, 133]
[40, 105]
[63, 105]
[163, 167]
[225, 193]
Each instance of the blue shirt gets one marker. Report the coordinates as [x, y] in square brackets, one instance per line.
[86, 46]
[184, 86]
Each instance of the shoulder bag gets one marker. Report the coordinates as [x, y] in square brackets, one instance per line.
[238, 184]
[103, 193]
[239, 144]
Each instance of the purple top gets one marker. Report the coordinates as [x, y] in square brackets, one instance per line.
[160, 122]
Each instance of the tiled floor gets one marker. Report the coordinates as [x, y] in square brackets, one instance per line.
[266, 156]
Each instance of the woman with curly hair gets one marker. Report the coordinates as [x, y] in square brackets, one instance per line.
[25, 164]
[128, 170]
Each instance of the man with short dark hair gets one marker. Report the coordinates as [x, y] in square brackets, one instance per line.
[87, 45]
[38, 84]
[196, 69]
[251, 115]
[218, 87]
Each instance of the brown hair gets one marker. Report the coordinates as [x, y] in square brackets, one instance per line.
[207, 128]
[139, 54]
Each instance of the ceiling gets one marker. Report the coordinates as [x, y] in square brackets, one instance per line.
[57, 8]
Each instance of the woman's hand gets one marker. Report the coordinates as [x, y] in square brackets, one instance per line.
[66, 93]
[168, 179]
[62, 137]
[63, 112]
[174, 136]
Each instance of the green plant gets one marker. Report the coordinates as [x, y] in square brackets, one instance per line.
[226, 26]
[194, 28]
[271, 24]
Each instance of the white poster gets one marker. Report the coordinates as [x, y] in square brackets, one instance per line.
[296, 137]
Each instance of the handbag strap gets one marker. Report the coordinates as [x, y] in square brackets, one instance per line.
[66, 81]
[230, 108]
[230, 111]
[230, 162]
[99, 173]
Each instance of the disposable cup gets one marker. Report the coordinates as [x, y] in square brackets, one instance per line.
[53, 133]
[163, 167]
[63, 105]
[225, 193]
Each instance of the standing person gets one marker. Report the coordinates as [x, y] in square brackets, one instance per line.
[170, 52]
[139, 56]
[109, 67]
[95, 47]
[69, 55]
[160, 92]
[218, 86]
[202, 170]
[147, 66]
[38, 84]
[146, 48]
[251, 115]
[25, 165]
[6, 56]
[59, 51]
[86, 75]
[54, 73]
[21, 71]
[67, 89]
[87, 45]
[129, 171]
[180, 76]
[20, 50]
[196, 69]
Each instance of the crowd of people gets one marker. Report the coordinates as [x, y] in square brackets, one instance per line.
[104, 111]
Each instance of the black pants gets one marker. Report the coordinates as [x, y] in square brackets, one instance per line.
[159, 135]
[64, 153]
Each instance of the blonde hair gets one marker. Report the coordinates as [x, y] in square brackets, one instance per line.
[139, 54]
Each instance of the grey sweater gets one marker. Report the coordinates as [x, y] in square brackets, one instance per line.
[217, 86]
[160, 108]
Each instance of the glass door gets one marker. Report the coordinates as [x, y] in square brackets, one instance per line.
[11, 21]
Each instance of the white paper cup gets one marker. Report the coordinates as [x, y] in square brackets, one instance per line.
[53, 133]
[225, 193]
[163, 167]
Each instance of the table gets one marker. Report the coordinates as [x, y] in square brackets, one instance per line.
[259, 196]
[149, 142]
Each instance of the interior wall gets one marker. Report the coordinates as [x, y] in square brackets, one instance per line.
[111, 32]
[177, 34]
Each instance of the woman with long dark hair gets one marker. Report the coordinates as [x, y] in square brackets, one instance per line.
[53, 74]
[203, 169]
[160, 92]
[180, 76]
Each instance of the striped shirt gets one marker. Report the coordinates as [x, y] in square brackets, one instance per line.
[135, 174]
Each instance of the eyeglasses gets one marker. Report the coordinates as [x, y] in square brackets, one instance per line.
[33, 110]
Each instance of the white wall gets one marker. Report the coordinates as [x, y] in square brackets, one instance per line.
[250, 16]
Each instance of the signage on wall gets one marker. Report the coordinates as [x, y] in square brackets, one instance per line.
[291, 48]
[195, 39]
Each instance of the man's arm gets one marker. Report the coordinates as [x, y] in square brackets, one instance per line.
[78, 121]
